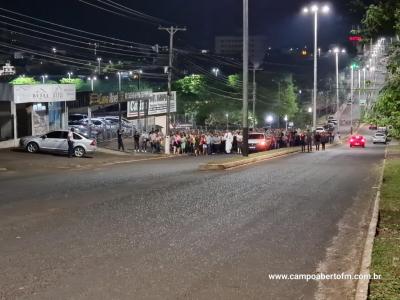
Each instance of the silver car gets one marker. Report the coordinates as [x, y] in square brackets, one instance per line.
[56, 142]
[379, 137]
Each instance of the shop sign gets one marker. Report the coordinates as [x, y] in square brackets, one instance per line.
[44, 93]
[157, 105]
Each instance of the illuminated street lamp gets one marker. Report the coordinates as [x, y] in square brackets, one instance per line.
[92, 80]
[269, 120]
[227, 121]
[315, 9]
[70, 74]
[215, 71]
[99, 61]
[44, 77]
[337, 51]
[286, 120]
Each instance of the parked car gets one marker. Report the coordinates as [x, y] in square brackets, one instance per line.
[333, 121]
[379, 138]
[357, 141]
[259, 142]
[320, 129]
[76, 117]
[329, 127]
[56, 142]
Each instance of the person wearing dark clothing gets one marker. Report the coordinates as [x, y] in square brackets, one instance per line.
[317, 140]
[234, 144]
[70, 140]
[303, 142]
[136, 138]
[324, 140]
[309, 141]
[120, 141]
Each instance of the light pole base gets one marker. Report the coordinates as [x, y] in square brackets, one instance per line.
[167, 144]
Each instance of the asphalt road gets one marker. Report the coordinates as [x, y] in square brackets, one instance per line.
[163, 230]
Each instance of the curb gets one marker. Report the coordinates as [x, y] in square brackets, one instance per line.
[363, 285]
[109, 151]
[245, 161]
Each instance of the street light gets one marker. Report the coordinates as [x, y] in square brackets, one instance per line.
[215, 71]
[99, 61]
[286, 120]
[337, 51]
[227, 121]
[315, 9]
[70, 74]
[44, 77]
[269, 120]
[92, 80]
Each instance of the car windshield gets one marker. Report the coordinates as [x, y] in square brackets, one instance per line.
[256, 136]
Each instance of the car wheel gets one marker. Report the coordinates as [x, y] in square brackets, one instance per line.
[32, 147]
[79, 151]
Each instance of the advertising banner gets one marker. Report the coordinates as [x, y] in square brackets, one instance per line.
[43, 93]
[157, 105]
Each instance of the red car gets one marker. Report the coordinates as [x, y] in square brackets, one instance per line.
[357, 141]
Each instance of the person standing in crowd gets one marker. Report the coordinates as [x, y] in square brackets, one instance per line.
[153, 136]
[324, 139]
[303, 142]
[309, 141]
[70, 140]
[143, 142]
[209, 143]
[234, 143]
[120, 141]
[317, 140]
[183, 143]
[228, 142]
[136, 138]
[239, 142]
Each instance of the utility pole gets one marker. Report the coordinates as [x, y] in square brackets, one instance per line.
[245, 150]
[171, 30]
[254, 97]
[254, 94]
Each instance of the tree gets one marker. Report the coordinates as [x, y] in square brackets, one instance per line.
[288, 104]
[381, 19]
[24, 80]
[77, 81]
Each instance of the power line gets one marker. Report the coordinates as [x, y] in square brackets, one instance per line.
[128, 44]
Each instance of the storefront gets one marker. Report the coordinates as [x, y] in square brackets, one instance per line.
[37, 109]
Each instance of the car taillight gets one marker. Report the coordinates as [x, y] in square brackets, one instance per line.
[363, 140]
[351, 140]
[93, 143]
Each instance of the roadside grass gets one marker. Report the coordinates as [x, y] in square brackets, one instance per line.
[386, 251]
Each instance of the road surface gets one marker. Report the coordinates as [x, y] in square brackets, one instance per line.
[164, 230]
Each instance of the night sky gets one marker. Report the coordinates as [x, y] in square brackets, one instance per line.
[280, 21]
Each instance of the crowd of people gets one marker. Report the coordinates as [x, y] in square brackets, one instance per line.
[197, 142]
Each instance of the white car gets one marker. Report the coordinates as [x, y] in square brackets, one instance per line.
[56, 142]
[320, 129]
[379, 137]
